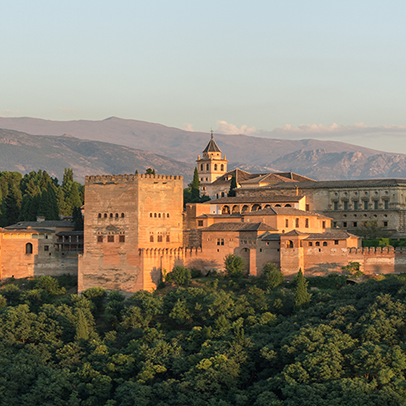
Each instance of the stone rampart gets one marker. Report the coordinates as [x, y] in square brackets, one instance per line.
[126, 178]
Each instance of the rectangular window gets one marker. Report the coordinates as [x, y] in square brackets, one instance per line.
[335, 242]
[344, 224]
[159, 238]
[334, 224]
[310, 244]
[345, 205]
[356, 205]
[121, 238]
[307, 223]
[297, 223]
[355, 224]
[151, 238]
[200, 223]
[385, 224]
[286, 223]
[168, 238]
[335, 205]
[110, 238]
[376, 205]
[365, 204]
[99, 238]
[46, 247]
[386, 204]
[307, 207]
[323, 224]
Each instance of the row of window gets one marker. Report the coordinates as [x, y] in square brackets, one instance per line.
[159, 215]
[160, 238]
[215, 167]
[365, 205]
[318, 243]
[365, 193]
[111, 238]
[111, 215]
[354, 224]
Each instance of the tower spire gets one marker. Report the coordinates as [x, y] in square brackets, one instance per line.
[211, 133]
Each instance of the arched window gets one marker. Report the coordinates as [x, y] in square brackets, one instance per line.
[116, 215]
[244, 209]
[167, 215]
[225, 210]
[289, 244]
[236, 209]
[317, 244]
[222, 167]
[99, 215]
[207, 167]
[201, 167]
[122, 215]
[288, 205]
[105, 215]
[215, 167]
[256, 207]
[111, 215]
[324, 244]
[222, 194]
[268, 206]
[28, 248]
[278, 205]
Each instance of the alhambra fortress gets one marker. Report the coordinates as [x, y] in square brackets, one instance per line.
[135, 227]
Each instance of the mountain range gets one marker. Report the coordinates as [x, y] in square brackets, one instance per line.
[116, 145]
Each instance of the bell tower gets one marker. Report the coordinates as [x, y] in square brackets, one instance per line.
[211, 165]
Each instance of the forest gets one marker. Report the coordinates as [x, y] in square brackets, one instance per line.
[214, 340]
[23, 198]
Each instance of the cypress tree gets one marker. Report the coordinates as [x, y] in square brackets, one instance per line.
[82, 329]
[233, 186]
[74, 199]
[302, 296]
[195, 187]
[77, 219]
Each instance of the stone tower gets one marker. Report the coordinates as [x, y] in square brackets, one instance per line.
[211, 165]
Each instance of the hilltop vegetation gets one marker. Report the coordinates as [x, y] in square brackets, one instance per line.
[217, 341]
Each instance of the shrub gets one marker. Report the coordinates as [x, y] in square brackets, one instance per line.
[272, 276]
[195, 273]
[234, 265]
[96, 295]
[50, 285]
[179, 276]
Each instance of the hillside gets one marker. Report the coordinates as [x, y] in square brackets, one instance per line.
[317, 159]
[24, 153]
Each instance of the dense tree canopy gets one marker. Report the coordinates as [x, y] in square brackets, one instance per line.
[220, 341]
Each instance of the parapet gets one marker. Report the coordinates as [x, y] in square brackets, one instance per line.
[115, 179]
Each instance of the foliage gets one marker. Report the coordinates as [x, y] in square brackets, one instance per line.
[302, 296]
[354, 269]
[209, 343]
[150, 171]
[77, 219]
[371, 230]
[272, 276]
[234, 265]
[179, 276]
[233, 186]
[192, 193]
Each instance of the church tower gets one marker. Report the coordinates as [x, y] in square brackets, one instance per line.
[211, 165]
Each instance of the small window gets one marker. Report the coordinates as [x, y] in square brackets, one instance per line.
[121, 238]
[297, 223]
[325, 244]
[167, 215]
[207, 167]
[46, 247]
[307, 223]
[200, 223]
[201, 167]
[122, 215]
[222, 167]
[28, 248]
[323, 224]
[335, 205]
[344, 224]
[385, 224]
[310, 244]
[345, 205]
[215, 167]
[386, 204]
[110, 238]
[105, 215]
[355, 224]
[366, 205]
[151, 238]
[376, 205]
[307, 207]
[317, 244]
[168, 238]
[99, 216]
[155, 215]
[159, 238]
[159, 215]
[111, 215]
[150, 214]
[286, 223]
[356, 205]
[99, 238]
[335, 242]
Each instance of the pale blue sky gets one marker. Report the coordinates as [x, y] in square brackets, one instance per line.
[263, 64]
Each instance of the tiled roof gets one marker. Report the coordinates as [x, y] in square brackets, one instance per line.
[331, 235]
[42, 224]
[255, 199]
[287, 211]
[295, 232]
[270, 237]
[237, 226]
[212, 147]
[68, 233]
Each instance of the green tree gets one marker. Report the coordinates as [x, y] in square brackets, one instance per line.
[233, 186]
[82, 328]
[195, 186]
[234, 265]
[74, 197]
[150, 171]
[354, 269]
[272, 276]
[77, 219]
[302, 296]
[180, 275]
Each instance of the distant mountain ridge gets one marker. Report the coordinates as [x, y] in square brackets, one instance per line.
[313, 158]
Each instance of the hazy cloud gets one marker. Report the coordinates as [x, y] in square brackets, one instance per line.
[226, 128]
[9, 112]
[188, 127]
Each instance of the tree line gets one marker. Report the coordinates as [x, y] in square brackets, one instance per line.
[23, 198]
[214, 340]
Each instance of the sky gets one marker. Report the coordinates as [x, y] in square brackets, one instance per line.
[310, 69]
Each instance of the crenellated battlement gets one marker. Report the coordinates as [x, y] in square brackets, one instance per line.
[127, 178]
[377, 250]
